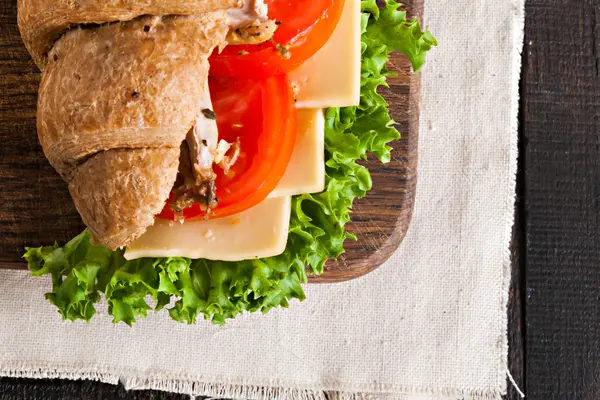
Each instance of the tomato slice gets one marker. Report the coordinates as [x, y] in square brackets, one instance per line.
[305, 26]
[263, 116]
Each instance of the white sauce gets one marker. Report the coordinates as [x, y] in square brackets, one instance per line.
[206, 130]
[252, 10]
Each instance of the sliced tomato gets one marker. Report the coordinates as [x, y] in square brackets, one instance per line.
[304, 27]
[263, 116]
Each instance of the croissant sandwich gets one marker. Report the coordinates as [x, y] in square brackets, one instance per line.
[210, 146]
[123, 83]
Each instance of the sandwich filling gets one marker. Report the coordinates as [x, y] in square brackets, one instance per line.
[202, 149]
[258, 258]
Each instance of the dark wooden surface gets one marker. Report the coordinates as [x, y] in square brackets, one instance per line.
[35, 207]
[34, 202]
[562, 198]
[55, 389]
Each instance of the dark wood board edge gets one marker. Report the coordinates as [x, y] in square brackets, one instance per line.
[408, 147]
[408, 111]
[380, 228]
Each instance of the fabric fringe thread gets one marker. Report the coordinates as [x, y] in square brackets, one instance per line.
[195, 388]
[518, 33]
[251, 392]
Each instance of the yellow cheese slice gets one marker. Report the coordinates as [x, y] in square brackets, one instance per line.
[331, 78]
[306, 171]
[261, 231]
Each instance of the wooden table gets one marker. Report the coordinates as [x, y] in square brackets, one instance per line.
[554, 310]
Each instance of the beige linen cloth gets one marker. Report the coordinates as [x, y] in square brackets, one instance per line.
[431, 323]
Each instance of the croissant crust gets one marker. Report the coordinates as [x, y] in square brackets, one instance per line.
[118, 97]
[118, 192]
[124, 85]
[41, 22]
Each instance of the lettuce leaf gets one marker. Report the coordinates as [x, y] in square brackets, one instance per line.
[219, 290]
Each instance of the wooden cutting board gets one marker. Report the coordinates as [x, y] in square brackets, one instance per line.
[35, 207]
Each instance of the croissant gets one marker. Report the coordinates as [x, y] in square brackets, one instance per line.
[123, 84]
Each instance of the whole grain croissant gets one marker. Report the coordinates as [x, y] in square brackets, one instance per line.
[123, 82]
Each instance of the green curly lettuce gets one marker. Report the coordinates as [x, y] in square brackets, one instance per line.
[219, 290]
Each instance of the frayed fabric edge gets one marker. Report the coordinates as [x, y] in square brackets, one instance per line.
[250, 392]
[518, 33]
[195, 388]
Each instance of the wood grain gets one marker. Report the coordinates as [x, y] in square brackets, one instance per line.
[35, 207]
[57, 389]
[381, 219]
[562, 198]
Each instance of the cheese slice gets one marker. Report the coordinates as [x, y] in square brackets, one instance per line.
[306, 171]
[331, 78]
[258, 232]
